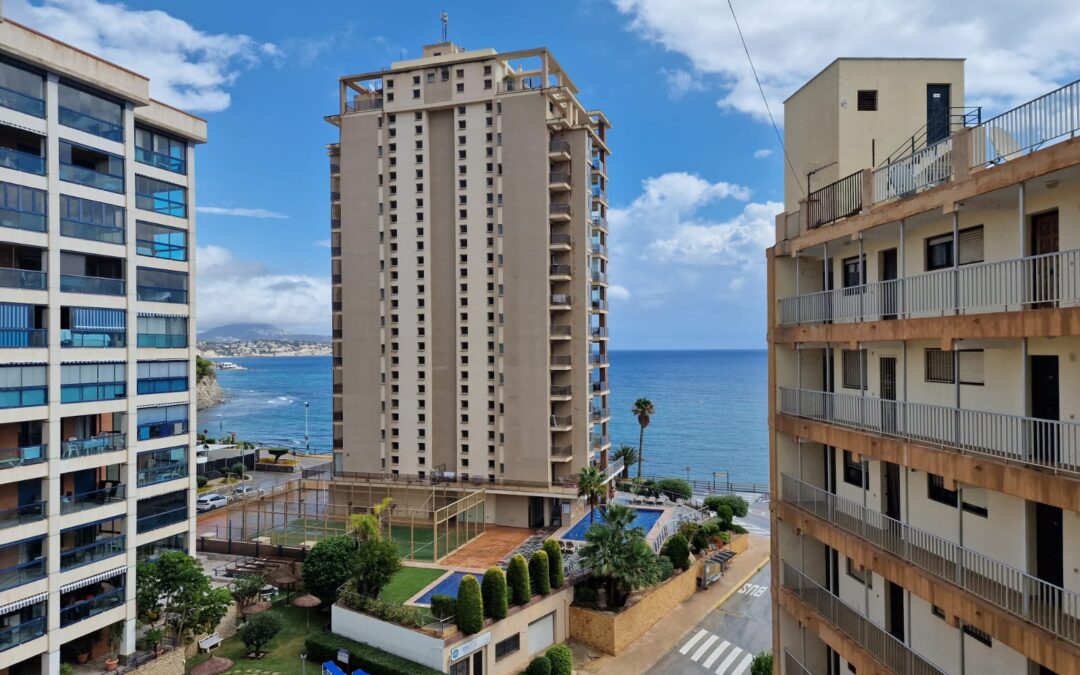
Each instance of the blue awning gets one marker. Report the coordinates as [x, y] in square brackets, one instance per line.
[331, 668]
[99, 318]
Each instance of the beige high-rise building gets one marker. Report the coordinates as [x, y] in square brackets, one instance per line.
[97, 468]
[924, 333]
[469, 255]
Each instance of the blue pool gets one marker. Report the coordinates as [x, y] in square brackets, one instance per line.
[645, 519]
[448, 585]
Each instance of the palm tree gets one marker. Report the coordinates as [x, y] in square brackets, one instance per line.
[643, 410]
[619, 554]
[590, 485]
[629, 455]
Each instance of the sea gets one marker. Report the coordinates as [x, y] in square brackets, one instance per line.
[710, 419]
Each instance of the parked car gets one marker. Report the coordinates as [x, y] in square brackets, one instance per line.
[247, 491]
[209, 502]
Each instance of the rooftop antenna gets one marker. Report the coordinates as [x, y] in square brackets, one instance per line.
[445, 24]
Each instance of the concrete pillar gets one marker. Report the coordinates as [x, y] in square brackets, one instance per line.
[127, 641]
[961, 155]
[867, 189]
[50, 661]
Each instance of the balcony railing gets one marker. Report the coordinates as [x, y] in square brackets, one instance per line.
[91, 178]
[561, 359]
[92, 607]
[163, 340]
[560, 240]
[162, 474]
[792, 666]
[560, 331]
[1027, 127]
[560, 300]
[599, 387]
[982, 287]
[161, 294]
[598, 359]
[361, 104]
[561, 390]
[28, 279]
[600, 413]
[874, 639]
[925, 168]
[75, 283]
[158, 520]
[16, 100]
[599, 222]
[557, 177]
[599, 249]
[559, 146]
[85, 447]
[90, 124]
[91, 553]
[94, 498]
[1043, 443]
[91, 231]
[562, 452]
[613, 469]
[22, 397]
[22, 456]
[162, 429]
[1048, 606]
[559, 270]
[23, 337]
[31, 512]
[600, 305]
[11, 158]
[22, 633]
[23, 573]
[22, 220]
[92, 337]
[160, 160]
[559, 209]
[836, 200]
[598, 331]
[599, 277]
[599, 442]
[561, 421]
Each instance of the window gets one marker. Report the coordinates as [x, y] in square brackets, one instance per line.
[936, 490]
[86, 219]
[939, 252]
[867, 100]
[937, 611]
[90, 167]
[853, 470]
[93, 327]
[22, 90]
[863, 576]
[461, 667]
[157, 512]
[156, 285]
[157, 149]
[162, 332]
[159, 241]
[939, 249]
[971, 367]
[978, 635]
[92, 382]
[22, 386]
[854, 367]
[158, 377]
[854, 272]
[160, 197]
[91, 113]
[160, 466]
[939, 366]
[22, 208]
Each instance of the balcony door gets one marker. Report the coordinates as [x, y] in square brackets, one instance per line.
[937, 112]
[1044, 240]
[889, 293]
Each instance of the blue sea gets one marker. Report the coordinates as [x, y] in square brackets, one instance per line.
[711, 408]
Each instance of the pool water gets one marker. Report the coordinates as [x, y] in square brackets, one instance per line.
[448, 585]
[644, 518]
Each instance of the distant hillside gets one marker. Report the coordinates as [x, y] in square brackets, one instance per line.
[244, 332]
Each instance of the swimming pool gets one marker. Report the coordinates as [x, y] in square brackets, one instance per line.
[644, 518]
[448, 585]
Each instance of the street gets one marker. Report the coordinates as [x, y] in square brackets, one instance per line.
[726, 640]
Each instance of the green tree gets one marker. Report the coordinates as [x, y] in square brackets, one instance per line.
[330, 563]
[555, 562]
[629, 455]
[494, 591]
[737, 504]
[204, 368]
[762, 664]
[590, 485]
[278, 453]
[678, 550]
[541, 665]
[375, 562]
[246, 588]
[470, 606]
[675, 488]
[539, 574]
[517, 578]
[237, 469]
[643, 409]
[562, 660]
[259, 630]
[619, 555]
[174, 593]
[443, 607]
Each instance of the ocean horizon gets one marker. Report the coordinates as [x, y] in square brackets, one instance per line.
[711, 407]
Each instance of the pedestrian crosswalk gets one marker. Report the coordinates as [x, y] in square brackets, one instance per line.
[706, 649]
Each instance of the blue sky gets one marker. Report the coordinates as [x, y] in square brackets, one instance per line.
[696, 172]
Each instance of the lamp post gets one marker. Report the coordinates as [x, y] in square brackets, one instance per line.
[303, 664]
[307, 444]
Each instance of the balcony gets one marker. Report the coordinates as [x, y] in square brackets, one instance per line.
[600, 414]
[599, 222]
[600, 442]
[559, 212]
[76, 283]
[562, 422]
[1050, 607]
[161, 519]
[561, 361]
[160, 160]
[26, 455]
[91, 125]
[559, 181]
[30, 512]
[93, 499]
[86, 447]
[600, 250]
[561, 391]
[23, 338]
[601, 387]
[559, 151]
[560, 332]
[22, 633]
[361, 104]
[31, 280]
[23, 397]
[562, 453]
[559, 271]
[599, 277]
[91, 231]
[84, 609]
[23, 573]
[560, 241]
[598, 332]
[1048, 444]
[1008, 285]
[22, 150]
[24, 102]
[92, 338]
[162, 428]
[599, 305]
[560, 301]
[162, 473]
[598, 359]
[107, 547]
[21, 160]
[872, 638]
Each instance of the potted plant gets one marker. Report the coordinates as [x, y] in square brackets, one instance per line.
[116, 634]
[153, 638]
[66, 669]
[82, 651]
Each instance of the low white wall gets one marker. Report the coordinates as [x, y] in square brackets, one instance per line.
[403, 642]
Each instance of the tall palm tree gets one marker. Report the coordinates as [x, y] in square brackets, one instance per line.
[590, 485]
[643, 410]
[619, 555]
[629, 455]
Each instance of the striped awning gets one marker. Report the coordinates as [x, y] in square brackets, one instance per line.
[165, 405]
[95, 318]
[19, 126]
[93, 580]
[157, 315]
[25, 602]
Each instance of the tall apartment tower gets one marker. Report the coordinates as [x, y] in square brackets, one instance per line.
[96, 346]
[469, 261]
[924, 304]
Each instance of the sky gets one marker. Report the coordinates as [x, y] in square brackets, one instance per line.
[696, 172]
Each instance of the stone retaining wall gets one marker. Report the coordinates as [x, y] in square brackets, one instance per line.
[739, 542]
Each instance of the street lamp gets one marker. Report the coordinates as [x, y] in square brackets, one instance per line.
[687, 470]
[303, 664]
[307, 444]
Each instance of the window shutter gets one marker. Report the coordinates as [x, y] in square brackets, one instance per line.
[971, 367]
[867, 99]
[939, 366]
[970, 249]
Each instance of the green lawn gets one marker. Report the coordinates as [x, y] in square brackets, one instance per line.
[408, 582]
[283, 651]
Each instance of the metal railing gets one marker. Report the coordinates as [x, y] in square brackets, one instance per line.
[612, 470]
[84, 447]
[443, 479]
[90, 553]
[956, 118]
[22, 633]
[559, 209]
[561, 390]
[1043, 443]
[559, 270]
[599, 277]
[560, 331]
[560, 240]
[30, 512]
[600, 305]
[599, 222]
[792, 665]
[600, 387]
[836, 200]
[598, 414]
[161, 519]
[672, 526]
[598, 359]
[22, 456]
[561, 359]
[556, 177]
[598, 331]
[23, 573]
[560, 300]
[599, 249]
[600, 441]
[77, 283]
[87, 608]
[791, 225]
[984, 287]
[361, 104]
[562, 451]
[93, 499]
[561, 421]
[559, 146]
[162, 474]
[1027, 127]
[871, 637]
[1043, 604]
[11, 277]
[925, 168]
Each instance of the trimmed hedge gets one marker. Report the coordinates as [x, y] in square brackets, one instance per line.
[539, 575]
[403, 615]
[539, 666]
[562, 660]
[555, 562]
[678, 550]
[324, 646]
[443, 606]
[470, 606]
[517, 578]
[494, 591]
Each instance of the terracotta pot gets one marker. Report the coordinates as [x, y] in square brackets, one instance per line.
[110, 664]
[82, 658]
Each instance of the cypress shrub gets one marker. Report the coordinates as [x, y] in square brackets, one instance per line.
[470, 606]
[562, 660]
[494, 591]
[678, 550]
[539, 575]
[517, 578]
[539, 666]
[555, 562]
[586, 595]
[443, 606]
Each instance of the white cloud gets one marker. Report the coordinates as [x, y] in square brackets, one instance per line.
[231, 290]
[617, 292]
[187, 68]
[762, 153]
[240, 212]
[322, 243]
[739, 242]
[672, 196]
[680, 82]
[1015, 51]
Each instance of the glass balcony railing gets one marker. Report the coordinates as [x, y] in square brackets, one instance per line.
[151, 430]
[92, 338]
[160, 249]
[92, 607]
[93, 499]
[23, 573]
[11, 158]
[22, 397]
[30, 512]
[99, 391]
[167, 162]
[74, 283]
[90, 553]
[91, 178]
[162, 474]
[23, 337]
[162, 385]
[163, 340]
[14, 100]
[22, 456]
[159, 520]
[22, 633]
[32, 280]
[85, 447]
[160, 294]
[91, 231]
[23, 220]
[91, 125]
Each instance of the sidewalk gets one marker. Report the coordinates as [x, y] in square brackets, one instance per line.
[667, 633]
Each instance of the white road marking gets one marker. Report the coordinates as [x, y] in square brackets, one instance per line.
[703, 648]
[693, 641]
[743, 665]
[716, 654]
[722, 668]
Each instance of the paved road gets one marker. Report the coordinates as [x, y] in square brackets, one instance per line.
[725, 641]
[757, 516]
